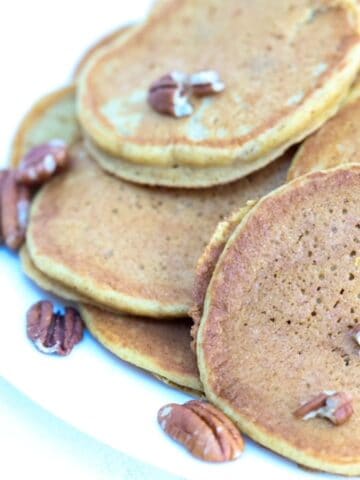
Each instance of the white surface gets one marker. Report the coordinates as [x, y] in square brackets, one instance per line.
[40, 43]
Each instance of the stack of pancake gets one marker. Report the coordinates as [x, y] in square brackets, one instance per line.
[122, 230]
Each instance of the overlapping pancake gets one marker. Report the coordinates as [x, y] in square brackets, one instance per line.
[162, 348]
[336, 142]
[131, 248]
[285, 67]
[52, 117]
[278, 315]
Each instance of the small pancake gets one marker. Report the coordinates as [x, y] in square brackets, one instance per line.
[292, 62]
[53, 116]
[277, 318]
[162, 348]
[337, 142]
[131, 248]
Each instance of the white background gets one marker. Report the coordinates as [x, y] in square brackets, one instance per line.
[40, 44]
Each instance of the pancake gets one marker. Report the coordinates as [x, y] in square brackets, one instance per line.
[53, 116]
[131, 248]
[278, 314]
[162, 348]
[293, 62]
[337, 142]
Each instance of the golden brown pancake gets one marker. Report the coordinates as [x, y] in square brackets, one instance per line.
[278, 314]
[337, 142]
[53, 116]
[131, 248]
[294, 66]
[162, 348]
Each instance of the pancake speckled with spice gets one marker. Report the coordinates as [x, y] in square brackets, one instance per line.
[279, 311]
[131, 248]
[295, 65]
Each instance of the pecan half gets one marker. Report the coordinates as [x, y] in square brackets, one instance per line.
[335, 406]
[203, 429]
[15, 205]
[170, 94]
[206, 83]
[42, 162]
[53, 332]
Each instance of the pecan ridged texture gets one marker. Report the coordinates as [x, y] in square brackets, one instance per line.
[203, 429]
[335, 406]
[170, 95]
[14, 210]
[54, 332]
[42, 162]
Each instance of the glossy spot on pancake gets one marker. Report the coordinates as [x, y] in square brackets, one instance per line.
[320, 69]
[196, 128]
[295, 99]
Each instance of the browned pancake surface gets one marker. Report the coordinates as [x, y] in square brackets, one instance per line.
[130, 247]
[278, 315]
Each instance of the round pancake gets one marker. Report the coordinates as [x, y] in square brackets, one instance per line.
[293, 62]
[131, 248]
[53, 116]
[278, 313]
[162, 348]
[337, 142]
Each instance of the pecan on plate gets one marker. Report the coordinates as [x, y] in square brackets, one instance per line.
[203, 429]
[42, 162]
[170, 94]
[206, 83]
[14, 210]
[53, 332]
[335, 406]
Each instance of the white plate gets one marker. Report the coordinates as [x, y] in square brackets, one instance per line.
[90, 389]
